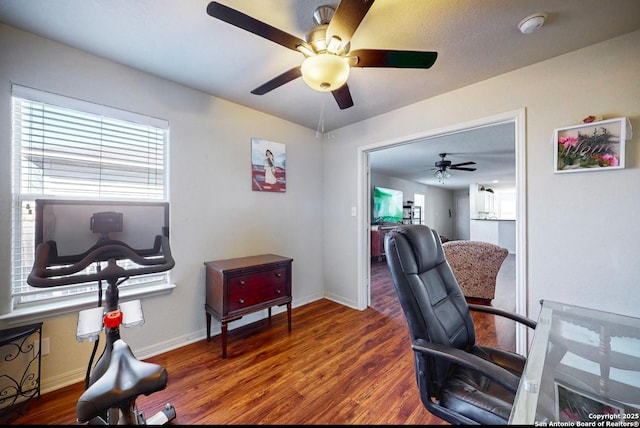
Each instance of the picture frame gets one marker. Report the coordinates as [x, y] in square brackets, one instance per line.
[268, 166]
[573, 405]
[594, 146]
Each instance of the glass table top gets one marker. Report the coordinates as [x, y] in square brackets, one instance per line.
[583, 365]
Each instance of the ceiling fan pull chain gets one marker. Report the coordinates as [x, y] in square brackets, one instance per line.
[320, 130]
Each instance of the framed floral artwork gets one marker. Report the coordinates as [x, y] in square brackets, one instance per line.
[594, 146]
[268, 166]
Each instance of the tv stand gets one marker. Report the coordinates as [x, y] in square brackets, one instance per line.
[378, 232]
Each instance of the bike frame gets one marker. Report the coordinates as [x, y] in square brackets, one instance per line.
[42, 275]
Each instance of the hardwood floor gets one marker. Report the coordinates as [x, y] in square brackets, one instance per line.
[337, 366]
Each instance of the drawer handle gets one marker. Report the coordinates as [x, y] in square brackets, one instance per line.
[241, 301]
[279, 275]
[278, 291]
[241, 282]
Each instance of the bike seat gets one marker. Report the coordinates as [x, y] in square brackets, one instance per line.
[125, 378]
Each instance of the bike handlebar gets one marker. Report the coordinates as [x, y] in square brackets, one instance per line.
[41, 276]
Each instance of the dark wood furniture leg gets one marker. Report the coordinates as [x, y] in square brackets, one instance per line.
[208, 327]
[223, 327]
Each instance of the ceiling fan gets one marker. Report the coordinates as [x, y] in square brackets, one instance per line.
[443, 166]
[326, 48]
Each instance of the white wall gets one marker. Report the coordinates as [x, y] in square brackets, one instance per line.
[439, 210]
[583, 237]
[214, 212]
[462, 214]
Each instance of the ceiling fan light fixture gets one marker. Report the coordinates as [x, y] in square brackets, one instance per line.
[325, 72]
[442, 174]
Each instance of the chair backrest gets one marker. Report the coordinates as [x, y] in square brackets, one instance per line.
[475, 265]
[431, 299]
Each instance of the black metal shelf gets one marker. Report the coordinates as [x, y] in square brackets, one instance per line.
[20, 369]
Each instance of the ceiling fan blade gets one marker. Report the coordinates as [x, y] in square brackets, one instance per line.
[460, 168]
[347, 18]
[392, 58]
[259, 28]
[463, 164]
[342, 96]
[278, 81]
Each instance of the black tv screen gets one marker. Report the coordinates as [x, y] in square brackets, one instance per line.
[73, 227]
[387, 205]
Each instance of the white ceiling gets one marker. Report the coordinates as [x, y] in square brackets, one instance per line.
[178, 41]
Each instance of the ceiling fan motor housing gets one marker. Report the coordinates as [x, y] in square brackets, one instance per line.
[443, 164]
[316, 37]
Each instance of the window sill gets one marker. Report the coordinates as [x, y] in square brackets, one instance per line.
[45, 310]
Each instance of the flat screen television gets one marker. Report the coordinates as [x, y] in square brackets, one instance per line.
[74, 227]
[387, 205]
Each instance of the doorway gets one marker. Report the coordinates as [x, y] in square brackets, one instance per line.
[462, 218]
[518, 119]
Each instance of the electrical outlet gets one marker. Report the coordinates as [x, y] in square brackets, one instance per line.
[45, 347]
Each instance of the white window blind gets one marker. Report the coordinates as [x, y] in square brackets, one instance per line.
[70, 149]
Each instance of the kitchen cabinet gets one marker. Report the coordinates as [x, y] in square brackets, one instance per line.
[486, 204]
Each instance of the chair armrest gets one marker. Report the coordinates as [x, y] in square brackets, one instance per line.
[500, 312]
[491, 370]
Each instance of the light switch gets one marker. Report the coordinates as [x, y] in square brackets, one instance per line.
[353, 211]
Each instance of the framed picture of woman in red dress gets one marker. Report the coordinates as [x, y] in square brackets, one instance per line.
[268, 166]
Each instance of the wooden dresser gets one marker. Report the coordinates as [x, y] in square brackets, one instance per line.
[237, 287]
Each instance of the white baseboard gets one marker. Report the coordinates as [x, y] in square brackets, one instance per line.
[339, 299]
[61, 380]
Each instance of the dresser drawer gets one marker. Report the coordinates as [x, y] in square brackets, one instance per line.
[247, 297]
[273, 292]
[258, 287]
[243, 282]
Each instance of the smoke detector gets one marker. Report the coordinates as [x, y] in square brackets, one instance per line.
[532, 22]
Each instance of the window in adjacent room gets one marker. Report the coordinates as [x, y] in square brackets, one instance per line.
[70, 149]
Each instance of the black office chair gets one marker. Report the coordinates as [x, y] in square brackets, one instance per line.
[458, 380]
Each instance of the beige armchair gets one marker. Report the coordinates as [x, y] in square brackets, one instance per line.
[475, 265]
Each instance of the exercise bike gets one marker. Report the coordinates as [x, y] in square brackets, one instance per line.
[118, 377]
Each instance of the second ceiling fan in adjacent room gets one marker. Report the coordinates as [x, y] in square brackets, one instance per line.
[443, 166]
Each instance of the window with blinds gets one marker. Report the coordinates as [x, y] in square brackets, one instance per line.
[70, 149]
